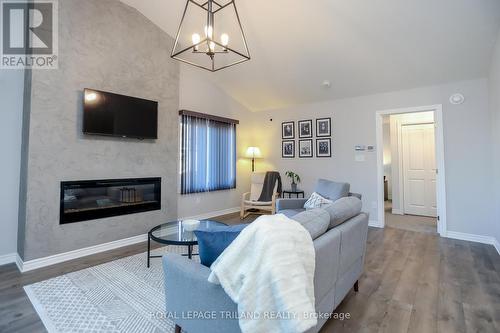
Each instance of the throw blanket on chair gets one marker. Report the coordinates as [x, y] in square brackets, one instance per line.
[269, 184]
[268, 270]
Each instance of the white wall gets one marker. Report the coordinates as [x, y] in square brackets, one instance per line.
[198, 93]
[495, 111]
[11, 111]
[466, 139]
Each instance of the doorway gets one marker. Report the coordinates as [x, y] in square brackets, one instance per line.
[419, 170]
[411, 193]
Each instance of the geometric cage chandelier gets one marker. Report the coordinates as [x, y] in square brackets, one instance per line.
[210, 35]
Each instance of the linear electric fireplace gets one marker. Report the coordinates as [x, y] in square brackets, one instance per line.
[93, 199]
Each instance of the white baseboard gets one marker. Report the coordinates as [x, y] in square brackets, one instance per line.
[8, 258]
[375, 224]
[474, 238]
[212, 214]
[25, 266]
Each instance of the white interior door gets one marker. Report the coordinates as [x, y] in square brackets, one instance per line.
[419, 170]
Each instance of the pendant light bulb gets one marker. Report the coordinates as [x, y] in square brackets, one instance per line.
[196, 39]
[224, 39]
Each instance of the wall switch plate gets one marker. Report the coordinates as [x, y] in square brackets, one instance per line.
[359, 157]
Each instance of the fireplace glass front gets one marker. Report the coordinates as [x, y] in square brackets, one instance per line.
[94, 199]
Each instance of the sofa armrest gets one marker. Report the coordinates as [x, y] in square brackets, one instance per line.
[189, 292]
[282, 204]
[357, 195]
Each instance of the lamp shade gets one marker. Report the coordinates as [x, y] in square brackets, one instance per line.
[253, 152]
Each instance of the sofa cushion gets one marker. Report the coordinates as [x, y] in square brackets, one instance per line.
[332, 190]
[291, 212]
[343, 209]
[212, 242]
[316, 201]
[315, 221]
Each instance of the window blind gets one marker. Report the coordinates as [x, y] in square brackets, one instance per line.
[208, 153]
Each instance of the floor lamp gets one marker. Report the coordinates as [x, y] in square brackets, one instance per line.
[253, 153]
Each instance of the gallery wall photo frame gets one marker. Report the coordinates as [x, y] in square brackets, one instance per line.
[288, 149]
[306, 148]
[323, 127]
[324, 147]
[288, 130]
[305, 128]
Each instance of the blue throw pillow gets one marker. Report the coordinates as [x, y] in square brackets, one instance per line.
[212, 242]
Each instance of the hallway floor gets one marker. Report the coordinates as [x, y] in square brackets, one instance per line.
[409, 222]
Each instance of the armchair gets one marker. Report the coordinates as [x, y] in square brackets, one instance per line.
[249, 200]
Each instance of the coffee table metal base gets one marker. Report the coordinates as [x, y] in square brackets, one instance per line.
[190, 253]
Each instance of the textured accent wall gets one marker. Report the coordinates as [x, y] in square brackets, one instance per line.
[105, 45]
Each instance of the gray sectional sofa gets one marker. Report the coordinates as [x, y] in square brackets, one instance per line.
[339, 235]
[340, 255]
[326, 188]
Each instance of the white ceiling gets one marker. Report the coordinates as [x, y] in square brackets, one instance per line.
[362, 47]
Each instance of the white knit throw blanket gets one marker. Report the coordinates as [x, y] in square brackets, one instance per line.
[268, 270]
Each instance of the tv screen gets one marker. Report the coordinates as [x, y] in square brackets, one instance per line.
[111, 114]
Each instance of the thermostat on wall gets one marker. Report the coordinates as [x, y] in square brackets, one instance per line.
[369, 148]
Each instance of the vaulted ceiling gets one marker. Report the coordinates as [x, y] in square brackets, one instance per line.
[362, 47]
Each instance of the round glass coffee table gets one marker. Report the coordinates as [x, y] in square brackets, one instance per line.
[172, 233]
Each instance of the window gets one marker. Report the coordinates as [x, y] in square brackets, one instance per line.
[208, 153]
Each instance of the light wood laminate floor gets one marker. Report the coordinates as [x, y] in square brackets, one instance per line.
[409, 222]
[413, 282]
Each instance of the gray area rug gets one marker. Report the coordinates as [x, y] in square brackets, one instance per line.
[119, 296]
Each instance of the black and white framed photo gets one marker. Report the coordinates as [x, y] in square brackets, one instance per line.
[323, 127]
[288, 130]
[305, 148]
[288, 149]
[305, 129]
[324, 147]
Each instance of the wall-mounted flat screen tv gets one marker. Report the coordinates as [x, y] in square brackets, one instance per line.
[111, 114]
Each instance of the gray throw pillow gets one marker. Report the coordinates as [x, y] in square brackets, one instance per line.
[316, 221]
[342, 210]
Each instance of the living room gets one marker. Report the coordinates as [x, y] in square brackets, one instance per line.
[310, 86]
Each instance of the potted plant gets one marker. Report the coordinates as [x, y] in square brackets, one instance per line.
[295, 179]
